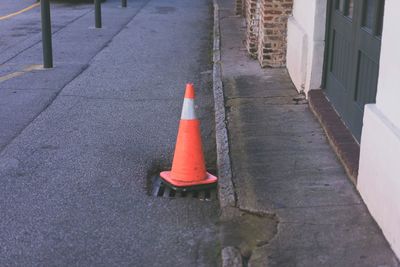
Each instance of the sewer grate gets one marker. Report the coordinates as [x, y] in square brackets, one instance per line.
[161, 189]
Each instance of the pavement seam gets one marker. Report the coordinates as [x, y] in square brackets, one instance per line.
[84, 67]
[40, 40]
[121, 99]
[106, 44]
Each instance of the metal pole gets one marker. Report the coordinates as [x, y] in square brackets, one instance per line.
[124, 3]
[46, 34]
[97, 13]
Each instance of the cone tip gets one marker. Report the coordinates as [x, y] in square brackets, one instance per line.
[189, 93]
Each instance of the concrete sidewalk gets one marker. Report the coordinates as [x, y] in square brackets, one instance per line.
[284, 169]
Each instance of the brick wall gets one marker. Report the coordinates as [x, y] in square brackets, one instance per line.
[252, 22]
[266, 29]
[273, 31]
[240, 7]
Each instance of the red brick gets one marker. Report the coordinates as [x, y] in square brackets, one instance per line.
[273, 34]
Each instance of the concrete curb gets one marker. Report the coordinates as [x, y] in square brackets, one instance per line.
[226, 193]
[230, 256]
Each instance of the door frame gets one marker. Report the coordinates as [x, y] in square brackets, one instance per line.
[329, 8]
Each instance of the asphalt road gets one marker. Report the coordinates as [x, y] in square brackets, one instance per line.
[78, 142]
[21, 31]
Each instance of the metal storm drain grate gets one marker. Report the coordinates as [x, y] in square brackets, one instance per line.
[160, 189]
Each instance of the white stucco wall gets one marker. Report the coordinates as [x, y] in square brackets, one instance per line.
[306, 42]
[389, 70]
[296, 55]
[379, 173]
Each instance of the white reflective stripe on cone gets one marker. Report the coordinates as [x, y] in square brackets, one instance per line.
[188, 112]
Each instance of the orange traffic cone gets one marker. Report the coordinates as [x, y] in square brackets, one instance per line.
[188, 167]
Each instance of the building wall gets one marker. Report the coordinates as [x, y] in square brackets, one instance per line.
[252, 17]
[266, 29]
[240, 7]
[379, 173]
[272, 42]
[306, 43]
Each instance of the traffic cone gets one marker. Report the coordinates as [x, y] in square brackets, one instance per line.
[188, 167]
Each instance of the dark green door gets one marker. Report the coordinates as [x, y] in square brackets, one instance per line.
[353, 49]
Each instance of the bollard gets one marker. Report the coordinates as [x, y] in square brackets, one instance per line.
[123, 3]
[97, 13]
[46, 34]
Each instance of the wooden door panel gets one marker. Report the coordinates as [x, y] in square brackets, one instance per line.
[341, 54]
[337, 98]
[339, 21]
[369, 45]
[366, 80]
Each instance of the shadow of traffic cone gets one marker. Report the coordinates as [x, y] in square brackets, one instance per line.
[188, 167]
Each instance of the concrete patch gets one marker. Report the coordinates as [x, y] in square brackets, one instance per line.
[247, 231]
[231, 257]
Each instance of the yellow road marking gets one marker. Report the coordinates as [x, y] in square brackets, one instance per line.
[19, 73]
[33, 67]
[10, 76]
[19, 12]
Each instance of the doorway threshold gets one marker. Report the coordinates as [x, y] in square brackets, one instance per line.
[339, 136]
